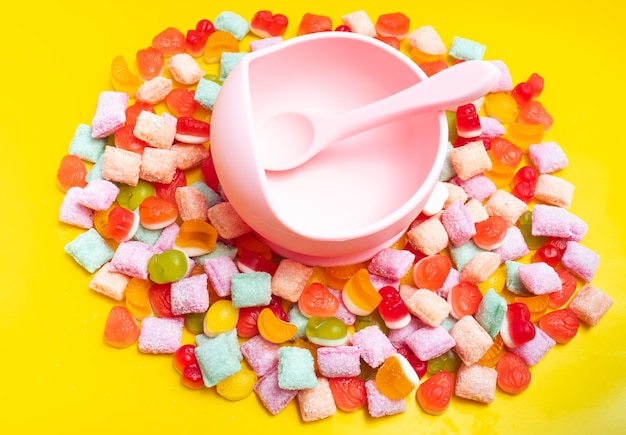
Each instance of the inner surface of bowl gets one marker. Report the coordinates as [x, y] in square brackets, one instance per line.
[363, 183]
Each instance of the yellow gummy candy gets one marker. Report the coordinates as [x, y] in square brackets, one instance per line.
[237, 386]
[221, 317]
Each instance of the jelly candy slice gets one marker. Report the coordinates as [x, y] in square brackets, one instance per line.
[396, 378]
[221, 317]
[264, 24]
[338, 276]
[181, 102]
[317, 300]
[122, 224]
[196, 237]
[122, 78]
[327, 331]
[513, 374]
[490, 233]
[560, 325]
[464, 298]
[493, 354]
[274, 329]
[537, 305]
[150, 63]
[431, 272]
[125, 139]
[121, 328]
[191, 130]
[312, 23]
[238, 386]
[349, 393]
[168, 266]
[359, 295]
[156, 213]
[101, 220]
[434, 394]
[167, 191]
[219, 42]
[72, 172]
[394, 24]
[160, 296]
[137, 298]
[170, 41]
[392, 308]
[184, 356]
[568, 287]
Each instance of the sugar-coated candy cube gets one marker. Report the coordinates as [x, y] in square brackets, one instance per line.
[339, 361]
[514, 245]
[391, 263]
[217, 360]
[228, 61]
[110, 113]
[316, 403]
[185, 69]
[158, 165]
[121, 166]
[428, 306]
[430, 342]
[539, 278]
[458, 223]
[373, 345]
[220, 271]
[476, 210]
[295, 368]
[206, 93]
[109, 283]
[131, 258]
[554, 190]
[534, 350]
[290, 278]
[491, 127]
[295, 317]
[590, 304]
[72, 212]
[232, 23]
[513, 282]
[95, 173]
[359, 22]
[470, 160]
[447, 172]
[261, 354]
[505, 82]
[154, 91]
[506, 205]
[273, 398]
[160, 335]
[453, 278]
[553, 221]
[343, 314]
[476, 382]
[379, 405]
[147, 236]
[232, 342]
[251, 289]
[89, 250]
[480, 267]
[455, 193]
[491, 311]
[259, 44]
[580, 260]
[190, 295]
[461, 255]
[227, 221]
[427, 40]
[479, 186]
[547, 157]
[397, 337]
[154, 129]
[191, 203]
[472, 341]
[167, 237]
[98, 194]
[85, 146]
[211, 196]
[429, 237]
[189, 155]
[466, 49]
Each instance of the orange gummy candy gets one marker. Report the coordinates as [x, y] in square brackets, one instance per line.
[434, 394]
[156, 213]
[72, 172]
[359, 294]
[170, 41]
[123, 79]
[181, 102]
[317, 300]
[525, 135]
[513, 373]
[537, 305]
[219, 42]
[274, 329]
[121, 329]
[338, 276]
[137, 297]
[493, 354]
[396, 378]
[150, 63]
[196, 237]
[501, 106]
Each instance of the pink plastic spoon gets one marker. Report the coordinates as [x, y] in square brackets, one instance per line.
[289, 139]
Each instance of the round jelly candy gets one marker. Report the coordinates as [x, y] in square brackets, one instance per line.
[181, 102]
[464, 298]
[131, 197]
[490, 232]
[359, 294]
[396, 378]
[525, 135]
[156, 213]
[449, 361]
[221, 317]
[326, 331]
[392, 309]
[274, 329]
[122, 224]
[431, 272]
[349, 393]
[196, 237]
[125, 139]
[168, 266]
[513, 373]
[501, 106]
[434, 394]
[237, 386]
[317, 300]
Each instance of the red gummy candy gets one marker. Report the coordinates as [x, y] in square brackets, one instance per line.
[254, 261]
[524, 182]
[537, 82]
[192, 377]
[184, 356]
[513, 373]
[522, 93]
[431, 272]
[390, 40]
[192, 130]
[264, 24]
[506, 156]
[207, 168]
[395, 24]
[551, 252]
[125, 139]
[433, 67]
[343, 28]
[535, 113]
[392, 308]
[467, 121]
[519, 328]
[312, 23]
[160, 296]
[72, 172]
[349, 393]
[560, 325]
[195, 41]
[490, 233]
[181, 102]
[568, 287]
[150, 63]
[420, 367]
[434, 394]
[133, 111]
[122, 224]
[170, 41]
[464, 298]
[121, 328]
[168, 191]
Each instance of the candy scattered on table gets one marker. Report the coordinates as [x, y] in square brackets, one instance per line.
[484, 283]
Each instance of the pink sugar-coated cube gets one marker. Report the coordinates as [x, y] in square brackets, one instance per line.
[290, 279]
[373, 345]
[554, 190]
[167, 238]
[72, 212]
[262, 355]
[580, 260]
[339, 361]
[316, 403]
[590, 304]
[191, 203]
[379, 405]
[220, 271]
[479, 186]
[109, 283]
[154, 91]
[189, 155]
[458, 223]
[491, 127]
[453, 278]
[160, 335]
[121, 166]
[472, 341]
[227, 221]
[343, 314]
[158, 165]
[156, 130]
[359, 22]
[470, 159]
[505, 83]
[506, 205]
[480, 267]
[476, 382]
[553, 221]
[110, 113]
[430, 342]
[380, 281]
[476, 210]
[547, 157]
[391, 263]
[429, 237]
[455, 193]
[397, 337]
[534, 350]
[98, 194]
[185, 69]
[273, 398]
[428, 306]
[259, 44]
[539, 278]
[514, 245]
[131, 258]
[190, 295]
[427, 40]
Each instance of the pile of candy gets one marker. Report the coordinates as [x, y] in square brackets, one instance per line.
[483, 284]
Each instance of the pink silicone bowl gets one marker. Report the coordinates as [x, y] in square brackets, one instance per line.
[353, 199]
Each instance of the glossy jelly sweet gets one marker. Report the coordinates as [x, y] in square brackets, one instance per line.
[359, 294]
[196, 237]
[327, 331]
[168, 266]
[317, 300]
[434, 394]
[392, 308]
[396, 378]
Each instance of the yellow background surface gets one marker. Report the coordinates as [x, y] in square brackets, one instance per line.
[59, 376]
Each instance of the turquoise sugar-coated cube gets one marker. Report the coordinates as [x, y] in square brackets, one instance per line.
[491, 311]
[462, 254]
[217, 360]
[228, 61]
[147, 236]
[231, 337]
[297, 318]
[220, 250]
[95, 173]
[85, 146]
[513, 282]
[206, 93]
[211, 196]
[466, 49]
[447, 172]
[232, 23]
[90, 250]
[296, 369]
[251, 289]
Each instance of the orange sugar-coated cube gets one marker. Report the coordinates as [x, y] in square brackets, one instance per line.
[189, 155]
[554, 190]
[590, 304]
[429, 237]
[185, 69]
[158, 165]
[121, 166]
[470, 160]
[476, 210]
[472, 341]
[227, 221]
[455, 193]
[290, 279]
[111, 284]
[154, 90]
[428, 306]
[157, 131]
[476, 383]
[506, 205]
[316, 403]
[480, 267]
[191, 203]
